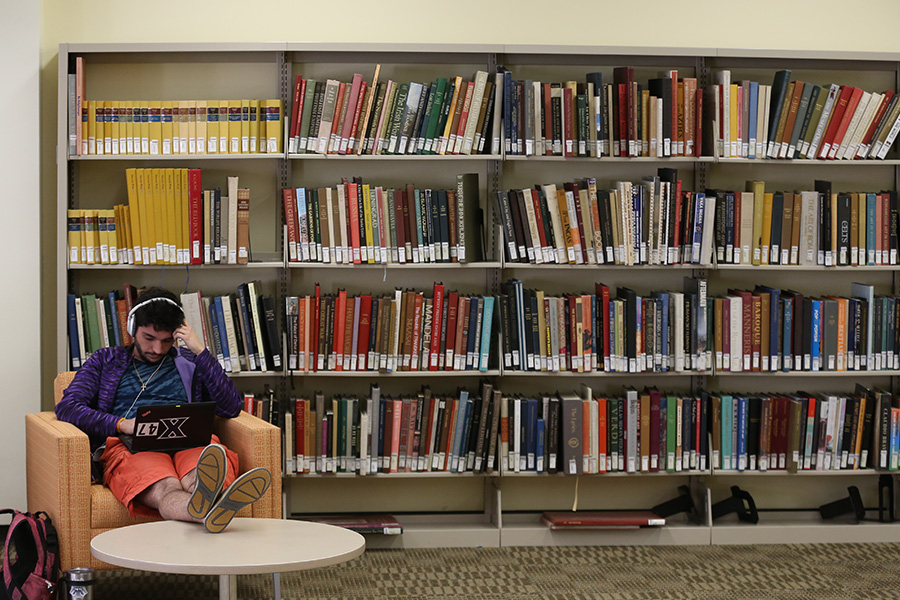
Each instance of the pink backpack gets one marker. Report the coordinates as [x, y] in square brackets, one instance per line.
[30, 558]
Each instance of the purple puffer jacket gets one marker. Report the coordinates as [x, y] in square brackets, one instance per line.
[90, 397]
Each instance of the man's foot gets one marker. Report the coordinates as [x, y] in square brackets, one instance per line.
[246, 489]
[210, 479]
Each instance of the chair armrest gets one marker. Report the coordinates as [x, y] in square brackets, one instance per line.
[59, 480]
[258, 444]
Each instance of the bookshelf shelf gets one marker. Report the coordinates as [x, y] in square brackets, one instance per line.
[465, 509]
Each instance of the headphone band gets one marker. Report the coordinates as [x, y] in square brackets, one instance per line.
[129, 324]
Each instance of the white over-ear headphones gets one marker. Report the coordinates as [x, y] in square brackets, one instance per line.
[129, 323]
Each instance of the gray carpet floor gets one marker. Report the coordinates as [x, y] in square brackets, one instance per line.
[783, 572]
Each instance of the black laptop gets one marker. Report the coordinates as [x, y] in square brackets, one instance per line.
[171, 427]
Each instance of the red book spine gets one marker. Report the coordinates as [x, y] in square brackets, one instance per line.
[568, 122]
[539, 217]
[464, 116]
[879, 114]
[450, 338]
[400, 229]
[290, 219]
[353, 205]
[852, 105]
[314, 329]
[396, 428]
[436, 321]
[299, 435]
[299, 86]
[365, 323]
[837, 115]
[352, 142]
[601, 435]
[352, 95]
[756, 334]
[698, 123]
[340, 317]
[623, 119]
[336, 123]
[195, 205]
[654, 430]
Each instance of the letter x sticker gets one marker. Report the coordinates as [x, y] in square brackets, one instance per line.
[172, 428]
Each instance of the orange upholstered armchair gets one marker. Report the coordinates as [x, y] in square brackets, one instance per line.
[59, 477]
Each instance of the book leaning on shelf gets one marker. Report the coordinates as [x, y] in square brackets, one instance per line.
[792, 119]
[359, 223]
[421, 432]
[173, 127]
[403, 331]
[169, 219]
[448, 115]
[240, 329]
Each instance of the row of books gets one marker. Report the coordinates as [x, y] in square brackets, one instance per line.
[651, 222]
[403, 331]
[618, 332]
[169, 127]
[797, 119]
[239, 329]
[590, 118]
[654, 431]
[421, 432]
[264, 405]
[760, 330]
[359, 223]
[449, 115]
[655, 222]
[169, 220]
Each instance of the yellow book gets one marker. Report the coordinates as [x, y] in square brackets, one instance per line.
[107, 126]
[112, 247]
[184, 127]
[155, 132]
[757, 188]
[120, 233]
[367, 213]
[765, 241]
[185, 243]
[245, 126]
[262, 140]
[234, 127]
[95, 250]
[274, 126]
[128, 133]
[128, 234]
[563, 205]
[141, 217]
[92, 126]
[168, 128]
[144, 107]
[156, 225]
[115, 126]
[178, 223]
[200, 128]
[131, 182]
[255, 145]
[212, 126]
[223, 127]
[192, 127]
[168, 218]
[736, 145]
[73, 229]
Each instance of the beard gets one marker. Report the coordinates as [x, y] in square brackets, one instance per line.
[144, 357]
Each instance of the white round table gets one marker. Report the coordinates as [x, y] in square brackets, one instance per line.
[247, 546]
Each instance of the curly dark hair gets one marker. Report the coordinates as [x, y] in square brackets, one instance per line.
[162, 316]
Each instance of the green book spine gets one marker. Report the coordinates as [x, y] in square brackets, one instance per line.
[435, 109]
[308, 99]
[398, 113]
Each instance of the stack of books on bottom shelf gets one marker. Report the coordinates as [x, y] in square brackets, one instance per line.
[606, 519]
[382, 524]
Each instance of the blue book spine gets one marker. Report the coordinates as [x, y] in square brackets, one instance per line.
[727, 425]
[816, 325]
[703, 450]
[214, 324]
[466, 432]
[223, 332]
[742, 433]
[470, 362]
[786, 351]
[487, 321]
[74, 352]
[520, 322]
[871, 207]
[539, 452]
[114, 315]
[531, 433]
[752, 117]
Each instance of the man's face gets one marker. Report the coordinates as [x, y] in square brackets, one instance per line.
[151, 345]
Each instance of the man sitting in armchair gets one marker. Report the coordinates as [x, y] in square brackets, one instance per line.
[114, 383]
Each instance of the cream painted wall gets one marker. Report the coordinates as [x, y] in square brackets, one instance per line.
[778, 24]
[20, 242]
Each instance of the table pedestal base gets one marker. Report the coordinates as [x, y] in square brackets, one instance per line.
[228, 586]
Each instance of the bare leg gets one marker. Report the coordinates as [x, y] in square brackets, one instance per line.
[169, 498]
[187, 482]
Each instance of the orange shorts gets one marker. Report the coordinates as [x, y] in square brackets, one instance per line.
[127, 474]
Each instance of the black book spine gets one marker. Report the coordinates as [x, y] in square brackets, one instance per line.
[843, 229]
